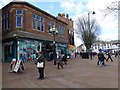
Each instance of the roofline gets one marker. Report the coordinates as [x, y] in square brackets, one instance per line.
[32, 6]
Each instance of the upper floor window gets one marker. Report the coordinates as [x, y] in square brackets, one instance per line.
[19, 12]
[42, 23]
[19, 17]
[61, 30]
[5, 22]
[34, 21]
[50, 24]
[37, 22]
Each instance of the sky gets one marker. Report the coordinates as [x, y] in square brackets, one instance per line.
[78, 8]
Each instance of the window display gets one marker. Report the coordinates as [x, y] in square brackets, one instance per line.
[27, 49]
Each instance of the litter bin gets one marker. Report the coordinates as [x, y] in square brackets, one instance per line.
[85, 55]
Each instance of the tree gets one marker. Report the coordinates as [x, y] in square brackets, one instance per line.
[112, 7]
[88, 31]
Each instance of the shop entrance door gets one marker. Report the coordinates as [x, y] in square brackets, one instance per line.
[7, 53]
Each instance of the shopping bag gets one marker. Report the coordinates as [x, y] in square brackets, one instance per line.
[40, 65]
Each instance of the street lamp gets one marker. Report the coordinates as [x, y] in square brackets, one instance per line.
[54, 31]
[90, 51]
[93, 12]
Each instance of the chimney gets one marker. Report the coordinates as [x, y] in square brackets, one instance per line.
[59, 14]
[67, 16]
[63, 15]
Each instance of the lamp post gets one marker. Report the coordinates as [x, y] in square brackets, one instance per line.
[89, 30]
[54, 31]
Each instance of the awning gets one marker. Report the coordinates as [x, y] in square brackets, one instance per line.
[71, 47]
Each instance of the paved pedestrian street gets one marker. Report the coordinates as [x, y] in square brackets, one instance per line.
[78, 73]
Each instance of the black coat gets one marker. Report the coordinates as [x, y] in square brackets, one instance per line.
[101, 56]
[41, 59]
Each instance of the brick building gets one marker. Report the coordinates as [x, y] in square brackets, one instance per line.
[70, 28]
[25, 29]
[71, 46]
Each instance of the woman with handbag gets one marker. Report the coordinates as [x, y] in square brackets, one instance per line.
[40, 60]
[59, 60]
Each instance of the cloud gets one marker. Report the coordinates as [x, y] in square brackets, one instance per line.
[109, 24]
[4, 2]
[68, 6]
[108, 37]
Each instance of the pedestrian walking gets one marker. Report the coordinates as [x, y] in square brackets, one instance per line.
[64, 58]
[75, 54]
[40, 62]
[116, 53]
[59, 60]
[101, 58]
[91, 54]
[109, 56]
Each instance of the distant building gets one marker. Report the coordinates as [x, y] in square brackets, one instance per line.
[105, 45]
[81, 48]
[25, 29]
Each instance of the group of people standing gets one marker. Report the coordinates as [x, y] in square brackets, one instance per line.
[59, 60]
[102, 58]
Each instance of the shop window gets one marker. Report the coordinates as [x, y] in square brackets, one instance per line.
[27, 49]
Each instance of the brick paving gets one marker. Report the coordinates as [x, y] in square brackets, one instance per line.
[79, 73]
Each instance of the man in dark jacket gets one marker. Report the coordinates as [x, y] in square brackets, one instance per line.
[101, 58]
[109, 56]
[64, 59]
[41, 59]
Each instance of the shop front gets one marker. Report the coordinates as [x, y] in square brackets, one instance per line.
[63, 48]
[25, 49]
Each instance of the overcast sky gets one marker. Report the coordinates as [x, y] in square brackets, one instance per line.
[77, 8]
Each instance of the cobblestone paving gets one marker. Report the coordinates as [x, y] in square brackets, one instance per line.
[78, 73]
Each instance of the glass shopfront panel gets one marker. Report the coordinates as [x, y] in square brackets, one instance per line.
[27, 49]
[8, 52]
[63, 48]
[47, 48]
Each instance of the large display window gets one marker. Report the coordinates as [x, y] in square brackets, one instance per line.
[27, 49]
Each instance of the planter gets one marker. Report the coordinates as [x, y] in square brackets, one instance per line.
[85, 55]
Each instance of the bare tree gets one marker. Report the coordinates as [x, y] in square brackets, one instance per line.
[113, 7]
[87, 31]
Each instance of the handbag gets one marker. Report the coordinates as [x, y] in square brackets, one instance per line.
[39, 65]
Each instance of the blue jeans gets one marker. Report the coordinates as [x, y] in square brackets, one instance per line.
[99, 62]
